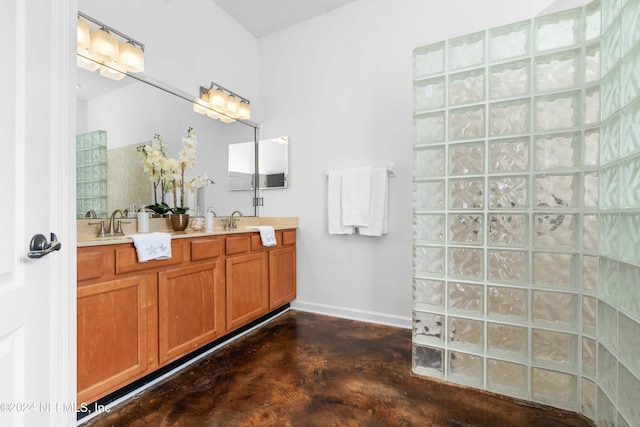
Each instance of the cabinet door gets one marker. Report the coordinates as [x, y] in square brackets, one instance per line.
[112, 335]
[191, 308]
[247, 288]
[282, 276]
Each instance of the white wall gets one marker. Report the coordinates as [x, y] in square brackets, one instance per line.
[340, 87]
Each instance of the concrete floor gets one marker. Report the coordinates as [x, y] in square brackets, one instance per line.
[304, 369]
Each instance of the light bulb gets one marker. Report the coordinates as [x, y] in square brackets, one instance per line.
[83, 35]
[218, 100]
[233, 105]
[244, 111]
[104, 46]
[131, 57]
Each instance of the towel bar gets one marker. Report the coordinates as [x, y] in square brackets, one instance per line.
[391, 170]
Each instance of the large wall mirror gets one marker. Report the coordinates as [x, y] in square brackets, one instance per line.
[122, 115]
[273, 164]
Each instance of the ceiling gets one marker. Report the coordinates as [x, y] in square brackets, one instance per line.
[262, 17]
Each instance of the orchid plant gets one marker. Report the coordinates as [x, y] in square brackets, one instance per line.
[168, 174]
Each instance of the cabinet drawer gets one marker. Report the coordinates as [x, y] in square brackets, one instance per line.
[237, 244]
[127, 259]
[289, 237]
[205, 249]
[89, 265]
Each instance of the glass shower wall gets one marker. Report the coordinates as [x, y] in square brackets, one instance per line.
[526, 243]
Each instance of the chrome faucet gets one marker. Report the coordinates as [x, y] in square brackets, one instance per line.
[230, 223]
[90, 214]
[112, 230]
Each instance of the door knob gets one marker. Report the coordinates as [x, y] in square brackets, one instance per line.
[39, 246]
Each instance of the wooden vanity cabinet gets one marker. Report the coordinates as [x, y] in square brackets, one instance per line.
[282, 270]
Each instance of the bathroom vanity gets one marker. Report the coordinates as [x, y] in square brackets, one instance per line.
[134, 318]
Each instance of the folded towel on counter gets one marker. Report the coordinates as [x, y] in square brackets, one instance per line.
[152, 246]
[267, 234]
[379, 222]
[334, 204]
[356, 196]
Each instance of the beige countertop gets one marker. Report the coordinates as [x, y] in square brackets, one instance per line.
[87, 233]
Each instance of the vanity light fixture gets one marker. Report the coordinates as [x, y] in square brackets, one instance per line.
[101, 49]
[223, 104]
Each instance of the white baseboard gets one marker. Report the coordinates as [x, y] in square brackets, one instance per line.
[353, 314]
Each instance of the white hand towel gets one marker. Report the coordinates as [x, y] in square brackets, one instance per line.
[356, 196]
[334, 204]
[152, 246]
[267, 234]
[379, 223]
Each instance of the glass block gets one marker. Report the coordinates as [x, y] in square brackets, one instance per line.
[610, 94]
[592, 105]
[610, 142]
[466, 229]
[630, 86]
[590, 273]
[428, 327]
[558, 30]
[428, 229]
[629, 342]
[508, 304]
[508, 192]
[588, 398]
[609, 186]
[630, 237]
[466, 51]
[555, 309]
[607, 327]
[427, 360]
[429, 195]
[630, 129]
[507, 341]
[429, 94]
[609, 234]
[509, 41]
[428, 60]
[592, 21]
[592, 64]
[430, 161]
[591, 190]
[630, 22]
[608, 279]
[467, 87]
[629, 387]
[607, 372]
[622, 422]
[466, 369]
[610, 43]
[466, 158]
[467, 123]
[555, 231]
[557, 111]
[466, 298]
[605, 411]
[589, 356]
[556, 191]
[428, 261]
[429, 128]
[509, 118]
[466, 263]
[610, 9]
[507, 378]
[428, 294]
[507, 266]
[509, 155]
[629, 290]
[557, 151]
[554, 269]
[466, 334]
[589, 310]
[509, 80]
[466, 193]
[554, 388]
[558, 71]
[508, 229]
[590, 232]
[553, 348]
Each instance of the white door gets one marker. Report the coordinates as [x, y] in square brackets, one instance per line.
[37, 313]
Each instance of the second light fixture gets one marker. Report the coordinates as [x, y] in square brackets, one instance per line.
[220, 103]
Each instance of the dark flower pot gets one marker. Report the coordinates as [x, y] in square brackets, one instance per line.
[179, 222]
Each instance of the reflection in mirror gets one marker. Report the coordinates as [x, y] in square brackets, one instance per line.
[273, 164]
[128, 113]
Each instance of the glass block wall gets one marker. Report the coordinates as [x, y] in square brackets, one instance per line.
[91, 173]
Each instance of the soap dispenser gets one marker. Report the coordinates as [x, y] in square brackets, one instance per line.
[143, 221]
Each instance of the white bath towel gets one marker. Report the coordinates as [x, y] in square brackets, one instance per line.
[334, 204]
[379, 222]
[267, 234]
[356, 196]
[152, 246]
